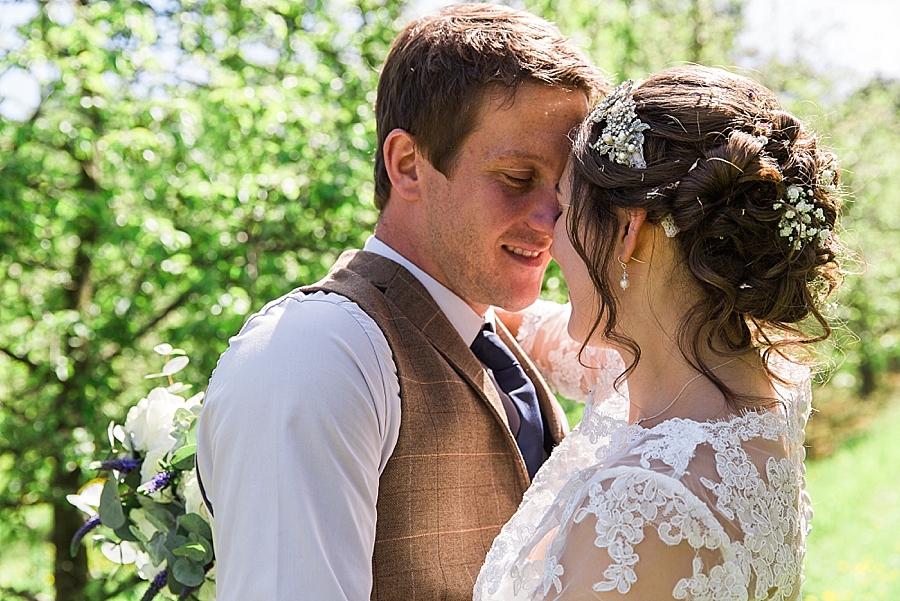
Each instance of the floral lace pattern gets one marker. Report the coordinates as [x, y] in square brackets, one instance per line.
[543, 337]
[724, 502]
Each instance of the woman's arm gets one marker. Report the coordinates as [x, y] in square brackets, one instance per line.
[570, 370]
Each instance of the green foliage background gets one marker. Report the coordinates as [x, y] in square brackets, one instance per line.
[191, 160]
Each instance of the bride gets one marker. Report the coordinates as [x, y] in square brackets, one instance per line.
[697, 238]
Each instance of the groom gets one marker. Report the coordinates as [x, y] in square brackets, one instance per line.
[352, 446]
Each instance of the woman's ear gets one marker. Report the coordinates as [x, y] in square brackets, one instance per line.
[629, 234]
[400, 161]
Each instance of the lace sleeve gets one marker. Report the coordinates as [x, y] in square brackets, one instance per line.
[658, 570]
[544, 336]
[636, 536]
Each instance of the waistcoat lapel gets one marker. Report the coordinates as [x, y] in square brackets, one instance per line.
[409, 295]
[406, 292]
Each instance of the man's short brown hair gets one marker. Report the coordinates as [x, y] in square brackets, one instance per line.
[441, 66]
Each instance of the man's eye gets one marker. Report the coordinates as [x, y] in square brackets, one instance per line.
[516, 179]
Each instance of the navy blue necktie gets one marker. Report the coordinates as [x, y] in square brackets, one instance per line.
[512, 380]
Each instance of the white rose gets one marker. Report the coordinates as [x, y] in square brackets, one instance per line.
[88, 500]
[149, 423]
[189, 490]
[145, 567]
[150, 466]
[123, 552]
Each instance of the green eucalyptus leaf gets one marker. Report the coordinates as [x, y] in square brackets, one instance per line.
[173, 585]
[173, 541]
[161, 518]
[194, 551]
[187, 572]
[183, 415]
[156, 548]
[183, 459]
[209, 553]
[124, 532]
[138, 535]
[193, 523]
[111, 514]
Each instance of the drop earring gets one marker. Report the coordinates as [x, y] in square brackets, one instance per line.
[624, 283]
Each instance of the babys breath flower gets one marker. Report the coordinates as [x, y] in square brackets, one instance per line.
[826, 177]
[801, 221]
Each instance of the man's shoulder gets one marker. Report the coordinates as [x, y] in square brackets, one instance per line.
[299, 337]
[309, 313]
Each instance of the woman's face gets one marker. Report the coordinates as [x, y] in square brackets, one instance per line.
[582, 294]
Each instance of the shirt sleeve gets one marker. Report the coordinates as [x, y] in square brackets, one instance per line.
[301, 416]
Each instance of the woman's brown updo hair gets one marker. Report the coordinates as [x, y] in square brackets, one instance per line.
[720, 153]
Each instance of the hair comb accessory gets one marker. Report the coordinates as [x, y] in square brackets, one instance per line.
[669, 227]
[621, 140]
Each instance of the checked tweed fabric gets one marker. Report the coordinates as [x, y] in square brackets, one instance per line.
[456, 475]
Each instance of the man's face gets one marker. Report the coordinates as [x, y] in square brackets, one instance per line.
[490, 223]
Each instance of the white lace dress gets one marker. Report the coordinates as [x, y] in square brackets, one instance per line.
[682, 510]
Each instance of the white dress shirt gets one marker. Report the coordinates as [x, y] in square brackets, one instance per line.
[300, 418]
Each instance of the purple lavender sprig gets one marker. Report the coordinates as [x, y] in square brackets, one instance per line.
[156, 585]
[89, 525]
[158, 482]
[120, 465]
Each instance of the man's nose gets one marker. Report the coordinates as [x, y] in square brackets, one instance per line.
[544, 210]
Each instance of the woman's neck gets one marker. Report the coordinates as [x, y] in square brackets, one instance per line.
[665, 385]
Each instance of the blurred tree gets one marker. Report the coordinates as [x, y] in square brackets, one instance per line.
[863, 128]
[191, 160]
[865, 131]
[188, 162]
[633, 38]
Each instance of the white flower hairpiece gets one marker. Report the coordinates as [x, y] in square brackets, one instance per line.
[801, 221]
[826, 177]
[621, 139]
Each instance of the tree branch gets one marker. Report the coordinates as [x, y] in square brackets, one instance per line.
[152, 323]
[23, 360]
[16, 594]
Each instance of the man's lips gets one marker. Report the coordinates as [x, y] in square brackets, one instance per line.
[517, 250]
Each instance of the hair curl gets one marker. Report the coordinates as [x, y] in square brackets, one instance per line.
[720, 153]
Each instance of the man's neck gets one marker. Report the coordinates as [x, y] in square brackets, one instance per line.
[466, 320]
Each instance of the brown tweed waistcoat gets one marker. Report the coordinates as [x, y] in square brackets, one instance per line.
[456, 475]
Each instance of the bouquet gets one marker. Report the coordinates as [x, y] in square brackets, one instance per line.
[146, 508]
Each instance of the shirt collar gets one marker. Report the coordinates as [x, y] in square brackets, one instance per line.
[463, 317]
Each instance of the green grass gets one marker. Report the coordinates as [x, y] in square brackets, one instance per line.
[853, 551]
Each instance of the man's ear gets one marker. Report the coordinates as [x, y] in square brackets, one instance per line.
[400, 161]
[630, 232]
